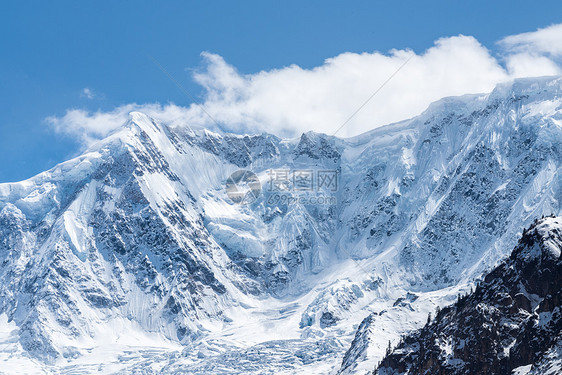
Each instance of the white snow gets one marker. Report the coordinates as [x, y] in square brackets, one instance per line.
[348, 260]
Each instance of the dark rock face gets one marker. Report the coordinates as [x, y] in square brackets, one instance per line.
[328, 319]
[361, 340]
[512, 319]
[317, 146]
[239, 150]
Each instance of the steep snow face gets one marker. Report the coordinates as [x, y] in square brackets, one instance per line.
[140, 232]
[484, 166]
[454, 185]
[112, 235]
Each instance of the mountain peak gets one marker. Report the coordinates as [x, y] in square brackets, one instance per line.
[542, 239]
[143, 122]
[141, 229]
[528, 86]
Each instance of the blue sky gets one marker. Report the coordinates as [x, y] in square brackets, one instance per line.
[52, 52]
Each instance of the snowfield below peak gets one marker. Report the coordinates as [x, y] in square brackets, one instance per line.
[134, 252]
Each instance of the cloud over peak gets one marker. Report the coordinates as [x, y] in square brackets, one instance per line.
[291, 100]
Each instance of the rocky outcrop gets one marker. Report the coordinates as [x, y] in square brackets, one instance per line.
[512, 320]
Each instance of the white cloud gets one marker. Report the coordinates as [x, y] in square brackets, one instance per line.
[92, 126]
[291, 100]
[543, 41]
[534, 53]
[87, 93]
[531, 65]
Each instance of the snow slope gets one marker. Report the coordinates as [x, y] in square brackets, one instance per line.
[138, 238]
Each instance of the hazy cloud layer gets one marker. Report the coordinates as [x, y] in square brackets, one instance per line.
[291, 100]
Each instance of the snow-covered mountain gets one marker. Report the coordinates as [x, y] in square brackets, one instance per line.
[134, 257]
[511, 323]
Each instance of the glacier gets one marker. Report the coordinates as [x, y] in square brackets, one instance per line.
[132, 258]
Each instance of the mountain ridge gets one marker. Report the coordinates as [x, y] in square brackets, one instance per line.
[140, 231]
